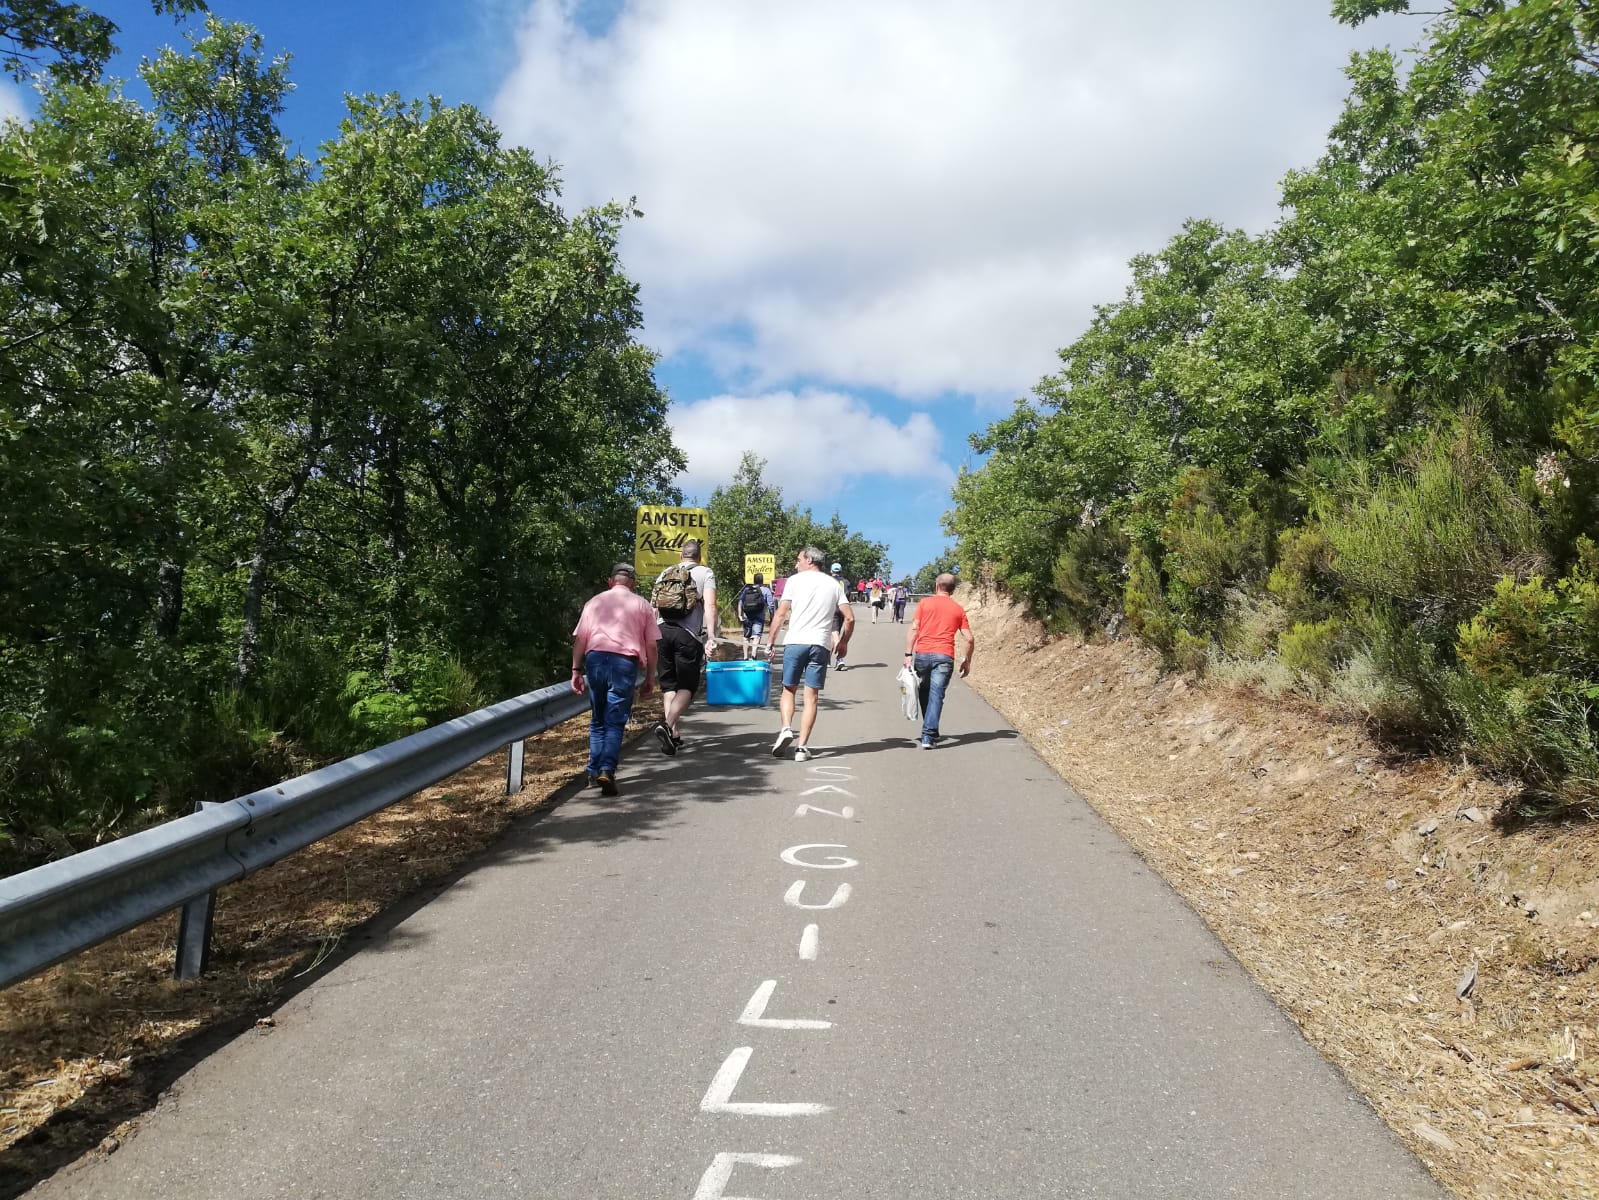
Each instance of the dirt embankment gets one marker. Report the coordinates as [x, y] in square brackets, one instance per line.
[1448, 967]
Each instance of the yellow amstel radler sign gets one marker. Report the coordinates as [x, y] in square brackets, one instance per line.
[764, 564]
[659, 533]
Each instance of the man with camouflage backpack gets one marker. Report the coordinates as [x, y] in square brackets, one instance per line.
[685, 600]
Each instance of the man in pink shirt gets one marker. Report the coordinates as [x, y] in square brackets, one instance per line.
[613, 651]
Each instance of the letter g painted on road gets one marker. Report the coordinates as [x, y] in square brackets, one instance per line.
[831, 862]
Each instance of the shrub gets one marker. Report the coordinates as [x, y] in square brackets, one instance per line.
[1212, 542]
[1436, 537]
[1302, 578]
[1190, 651]
[1144, 602]
[1251, 625]
[1087, 577]
[1310, 647]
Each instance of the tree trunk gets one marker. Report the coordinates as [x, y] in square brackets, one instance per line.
[169, 601]
[396, 543]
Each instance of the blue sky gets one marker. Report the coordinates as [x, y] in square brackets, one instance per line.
[868, 227]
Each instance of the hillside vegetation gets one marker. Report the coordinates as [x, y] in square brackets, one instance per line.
[1356, 457]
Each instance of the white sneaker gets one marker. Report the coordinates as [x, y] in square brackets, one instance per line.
[785, 737]
[802, 753]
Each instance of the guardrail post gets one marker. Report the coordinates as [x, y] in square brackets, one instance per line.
[513, 768]
[194, 931]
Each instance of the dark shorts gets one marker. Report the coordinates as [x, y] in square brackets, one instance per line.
[681, 660]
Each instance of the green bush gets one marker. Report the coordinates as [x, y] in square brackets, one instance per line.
[1302, 578]
[1437, 536]
[1213, 541]
[1311, 647]
[1087, 577]
[1190, 651]
[1144, 602]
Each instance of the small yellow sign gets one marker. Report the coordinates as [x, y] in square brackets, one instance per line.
[766, 564]
[659, 533]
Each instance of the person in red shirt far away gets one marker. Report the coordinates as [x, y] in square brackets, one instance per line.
[930, 652]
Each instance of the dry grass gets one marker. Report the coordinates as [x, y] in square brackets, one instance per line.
[89, 1044]
[1360, 892]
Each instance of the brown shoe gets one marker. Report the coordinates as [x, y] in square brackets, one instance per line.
[607, 784]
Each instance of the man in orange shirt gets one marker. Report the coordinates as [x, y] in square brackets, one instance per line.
[930, 651]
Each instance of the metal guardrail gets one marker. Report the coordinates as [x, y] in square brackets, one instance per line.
[54, 911]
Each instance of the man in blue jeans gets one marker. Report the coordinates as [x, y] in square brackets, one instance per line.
[930, 652]
[613, 651]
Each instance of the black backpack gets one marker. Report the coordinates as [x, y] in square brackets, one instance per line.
[751, 603]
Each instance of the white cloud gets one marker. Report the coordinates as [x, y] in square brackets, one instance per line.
[12, 107]
[813, 442]
[919, 195]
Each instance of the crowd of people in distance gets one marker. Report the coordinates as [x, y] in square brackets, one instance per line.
[625, 645]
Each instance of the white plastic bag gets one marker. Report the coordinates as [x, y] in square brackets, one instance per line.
[909, 694]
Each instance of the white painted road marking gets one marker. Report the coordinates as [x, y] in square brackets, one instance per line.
[810, 941]
[846, 813]
[831, 771]
[754, 1010]
[719, 1096]
[827, 787]
[720, 1171]
[792, 897]
[835, 862]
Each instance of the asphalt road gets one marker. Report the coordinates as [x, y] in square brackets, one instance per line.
[626, 1000]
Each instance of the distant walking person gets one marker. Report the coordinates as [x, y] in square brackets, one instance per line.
[685, 598]
[874, 595]
[838, 618]
[901, 595]
[754, 605]
[812, 603]
[613, 651]
[930, 649]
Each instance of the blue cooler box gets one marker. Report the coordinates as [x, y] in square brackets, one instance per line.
[746, 684]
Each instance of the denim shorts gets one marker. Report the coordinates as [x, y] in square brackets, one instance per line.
[811, 661]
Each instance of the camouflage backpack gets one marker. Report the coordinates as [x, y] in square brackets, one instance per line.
[675, 595]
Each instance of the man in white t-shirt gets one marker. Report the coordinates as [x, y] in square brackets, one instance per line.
[812, 601]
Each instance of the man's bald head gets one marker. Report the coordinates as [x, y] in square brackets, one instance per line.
[945, 583]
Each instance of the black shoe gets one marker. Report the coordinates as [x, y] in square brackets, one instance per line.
[664, 736]
[607, 784]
